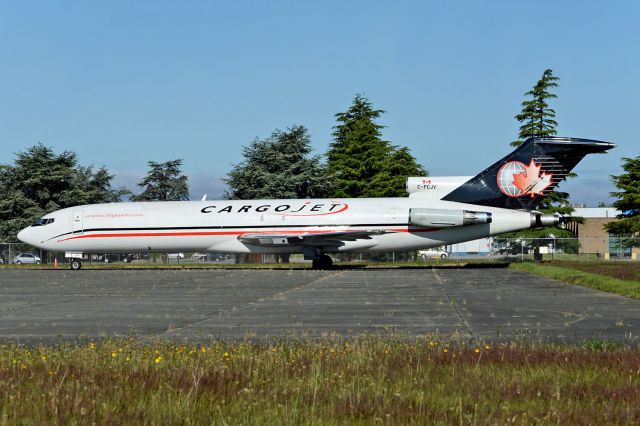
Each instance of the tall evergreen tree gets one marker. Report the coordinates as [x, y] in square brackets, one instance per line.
[357, 152]
[41, 181]
[280, 166]
[628, 203]
[164, 182]
[537, 117]
[363, 163]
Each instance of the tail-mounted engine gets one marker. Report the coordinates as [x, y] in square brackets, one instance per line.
[441, 218]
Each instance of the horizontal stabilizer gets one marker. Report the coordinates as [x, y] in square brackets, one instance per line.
[522, 179]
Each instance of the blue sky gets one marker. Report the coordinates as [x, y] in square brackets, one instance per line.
[123, 82]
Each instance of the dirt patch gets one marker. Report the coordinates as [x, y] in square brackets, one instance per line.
[629, 271]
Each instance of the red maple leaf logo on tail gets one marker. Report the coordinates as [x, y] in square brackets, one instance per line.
[531, 181]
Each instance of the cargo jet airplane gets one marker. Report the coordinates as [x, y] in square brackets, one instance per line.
[438, 211]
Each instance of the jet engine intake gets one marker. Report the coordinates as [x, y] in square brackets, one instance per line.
[447, 218]
[539, 220]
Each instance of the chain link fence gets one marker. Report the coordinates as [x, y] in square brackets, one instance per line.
[487, 249]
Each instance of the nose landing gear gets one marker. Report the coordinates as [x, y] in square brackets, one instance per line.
[76, 260]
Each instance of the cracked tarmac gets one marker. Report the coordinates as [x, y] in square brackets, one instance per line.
[484, 304]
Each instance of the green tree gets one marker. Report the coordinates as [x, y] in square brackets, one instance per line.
[364, 164]
[391, 181]
[91, 186]
[280, 166]
[537, 117]
[163, 182]
[41, 181]
[628, 203]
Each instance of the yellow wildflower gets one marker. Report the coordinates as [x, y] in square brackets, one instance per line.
[157, 360]
[477, 350]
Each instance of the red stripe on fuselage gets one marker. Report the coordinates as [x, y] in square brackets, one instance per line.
[219, 233]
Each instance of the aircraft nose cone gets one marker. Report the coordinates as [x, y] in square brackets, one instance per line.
[23, 236]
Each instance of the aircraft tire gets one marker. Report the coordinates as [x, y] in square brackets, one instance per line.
[324, 262]
[76, 265]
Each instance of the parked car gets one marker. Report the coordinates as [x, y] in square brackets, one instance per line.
[26, 258]
[175, 256]
[432, 253]
[199, 256]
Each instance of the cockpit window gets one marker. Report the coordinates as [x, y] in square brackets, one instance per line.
[43, 221]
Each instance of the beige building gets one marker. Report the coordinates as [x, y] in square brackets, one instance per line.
[594, 239]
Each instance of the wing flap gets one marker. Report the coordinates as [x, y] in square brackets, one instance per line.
[315, 239]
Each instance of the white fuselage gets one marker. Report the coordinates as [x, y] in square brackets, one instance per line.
[217, 226]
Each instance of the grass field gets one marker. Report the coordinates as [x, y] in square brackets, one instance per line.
[596, 275]
[629, 271]
[362, 381]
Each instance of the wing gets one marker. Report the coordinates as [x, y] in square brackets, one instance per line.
[312, 239]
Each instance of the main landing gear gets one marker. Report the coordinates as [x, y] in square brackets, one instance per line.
[317, 256]
[324, 262]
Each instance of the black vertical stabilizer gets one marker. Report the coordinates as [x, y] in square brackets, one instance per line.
[521, 179]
